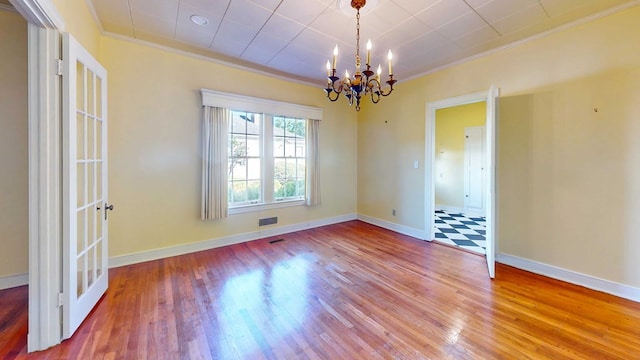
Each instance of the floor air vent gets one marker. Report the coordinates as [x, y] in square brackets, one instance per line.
[275, 241]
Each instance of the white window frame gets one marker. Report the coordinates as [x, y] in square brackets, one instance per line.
[268, 108]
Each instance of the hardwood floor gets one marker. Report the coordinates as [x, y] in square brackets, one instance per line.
[345, 291]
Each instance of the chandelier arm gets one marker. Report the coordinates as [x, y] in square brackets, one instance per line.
[329, 92]
[375, 96]
[390, 82]
[339, 89]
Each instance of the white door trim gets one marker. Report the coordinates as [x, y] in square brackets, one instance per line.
[45, 191]
[430, 140]
[430, 133]
[41, 13]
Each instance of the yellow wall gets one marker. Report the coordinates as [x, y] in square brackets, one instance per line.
[568, 177]
[14, 217]
[79, 23]
[449, 150]
[155, 113]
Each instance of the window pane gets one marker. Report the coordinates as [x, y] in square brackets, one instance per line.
[301, 188]
[279, 168]
[239, 191]
[253, 169]
[290, 147]
[278, 146]
[90, 94]
[80, 87]
[253, 145]
[291, 169]
[237, 145]
[80, 135]
[301, 148]
[238, 168]
[253, 190]
[98, 259]
[90, 266]
[80, 280]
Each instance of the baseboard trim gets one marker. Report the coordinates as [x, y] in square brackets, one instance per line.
[405, 230]
[588, 281]
[452, 209]
[7, 282]
[449, 208]
[162, 253]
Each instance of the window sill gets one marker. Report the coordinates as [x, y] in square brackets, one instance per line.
[261, 207]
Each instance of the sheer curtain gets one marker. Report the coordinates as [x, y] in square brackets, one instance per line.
[214, 163]
[313, 168]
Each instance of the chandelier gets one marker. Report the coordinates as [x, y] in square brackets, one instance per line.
[363, 83]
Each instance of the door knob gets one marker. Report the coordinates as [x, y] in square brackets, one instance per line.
[107, 207]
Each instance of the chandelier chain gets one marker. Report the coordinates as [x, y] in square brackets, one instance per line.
[358, 33]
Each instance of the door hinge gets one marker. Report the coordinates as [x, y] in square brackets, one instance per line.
[60, 299]
[60, 66]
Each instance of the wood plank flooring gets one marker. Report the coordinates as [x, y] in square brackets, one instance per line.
[344, 291]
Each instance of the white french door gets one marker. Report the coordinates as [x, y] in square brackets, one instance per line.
[84, 249]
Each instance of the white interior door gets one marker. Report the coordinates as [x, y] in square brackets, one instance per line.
[85, 184]
[474, 157]
[491, 180]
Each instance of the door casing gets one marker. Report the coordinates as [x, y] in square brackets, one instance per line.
[490, 204]
[45, 171]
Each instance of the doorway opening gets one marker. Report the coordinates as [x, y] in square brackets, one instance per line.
[460, 173]
[458, 176]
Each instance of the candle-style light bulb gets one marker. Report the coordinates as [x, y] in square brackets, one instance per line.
[335, 55]
[346, 74]
[379, 71]
[390, 56]
[328, 68]
[368, 52]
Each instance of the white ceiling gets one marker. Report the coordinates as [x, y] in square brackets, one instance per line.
[295, 38]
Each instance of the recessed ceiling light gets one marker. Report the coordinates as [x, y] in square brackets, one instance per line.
[199, 20]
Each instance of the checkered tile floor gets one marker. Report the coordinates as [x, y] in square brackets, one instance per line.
[458, 230]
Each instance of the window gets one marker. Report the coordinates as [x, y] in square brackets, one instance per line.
[257, 154]
[245, 158]
[260, 176]
[289, 158]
